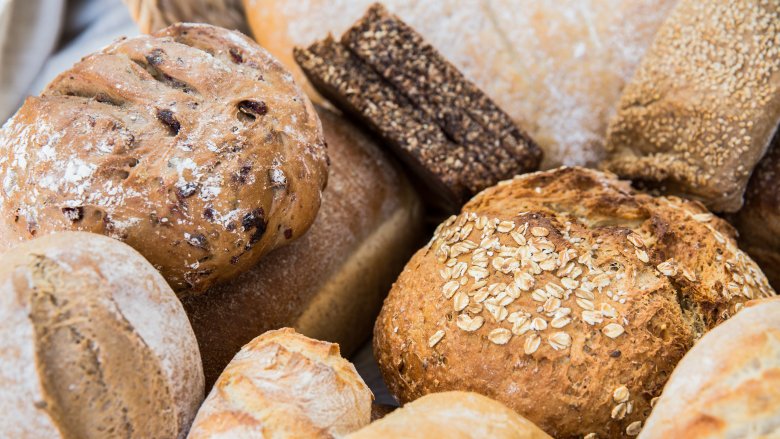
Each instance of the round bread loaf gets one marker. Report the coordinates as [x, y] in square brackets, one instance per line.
[93, 343]
[557, 68]
[328, 285]
[565, 295]
[153, 15]
[460, 415]
[728, 385]
[283, 384]
[193, 146]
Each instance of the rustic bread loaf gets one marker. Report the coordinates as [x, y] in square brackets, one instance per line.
[705, 102]
[565, 295]
[728, 385]
[758, 222]
[285, 385]
[153, 15]
[329, 284]
[194, 146]
[93, 343]
[460, 415]
[557, 68]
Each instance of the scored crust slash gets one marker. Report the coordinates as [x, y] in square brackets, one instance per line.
[454, 137]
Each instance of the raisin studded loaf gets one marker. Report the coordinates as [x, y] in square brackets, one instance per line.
[194, 146]
[565, 295]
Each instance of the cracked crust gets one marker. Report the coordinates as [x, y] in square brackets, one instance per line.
[565, 295]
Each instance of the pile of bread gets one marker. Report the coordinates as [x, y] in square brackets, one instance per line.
[175, 204]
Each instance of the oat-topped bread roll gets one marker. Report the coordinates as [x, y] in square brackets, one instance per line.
[556, 67]
[705, 102]
[461, 415]
[728, 385]
[329, 284]
[285, 385]
[194, 146]
[565, 295]
[153, 15]
[93, 343]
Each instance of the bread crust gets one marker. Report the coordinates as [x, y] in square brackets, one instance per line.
[548, 293]
[93, 340]
[194, 146]
[153, 15]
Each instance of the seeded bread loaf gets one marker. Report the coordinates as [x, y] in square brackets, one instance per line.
[329, 284]
[565, 295]
[194, 146]
[460, 415]
[153, 15]
[705, 102]
[285, 385]
[728, 385]
[93, 343]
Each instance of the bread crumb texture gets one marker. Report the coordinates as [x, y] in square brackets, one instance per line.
[704, 103]
[567, 296]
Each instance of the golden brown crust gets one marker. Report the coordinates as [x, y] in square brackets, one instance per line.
[585, 287]
[193, 146]
[329, 284]
[455, 415]
[153, 15]
[705, 102]
[283, 384]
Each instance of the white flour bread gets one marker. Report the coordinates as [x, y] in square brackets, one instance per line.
[285, 385]
[705, 102]
[153, 15]
[557, 67]
[93, 342]
[728, 385]
[453, 415]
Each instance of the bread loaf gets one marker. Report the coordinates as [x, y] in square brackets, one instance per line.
[705, 102]
[459, 415]
[194, 146]
[329, 284]
[285, 385]
[153, 15]
[565, 295]
[728, 385]
[93, 343]
[557, 68]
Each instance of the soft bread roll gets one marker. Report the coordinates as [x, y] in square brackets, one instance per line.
[565, 295]
[557, 67]
[93, 343]
[194, 146]
[329, 284]
[285, 385]
[705, 102]
[153, 15]
[728, 385]
[454, 415]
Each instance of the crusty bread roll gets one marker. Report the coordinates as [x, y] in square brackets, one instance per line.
[93, 343]
[153, 15]
[194, 146]
[329, 284]
[703, 106]
[758, 222]
[728, 385]
[565, 295]
[454, 415]
[557, 67]
[285, 385]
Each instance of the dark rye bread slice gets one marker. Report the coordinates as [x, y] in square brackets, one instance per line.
[358, 90]
[466, 114]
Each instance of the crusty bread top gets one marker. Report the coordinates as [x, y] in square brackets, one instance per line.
[553, 291]
[283, 384]
[453, 415]
[194, 146]
[728, 385]
[704, 103]
[153, 15]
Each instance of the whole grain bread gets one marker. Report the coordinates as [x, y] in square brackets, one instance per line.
[704, 103]
[565, 295]
[93, 343]
[194, 146]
